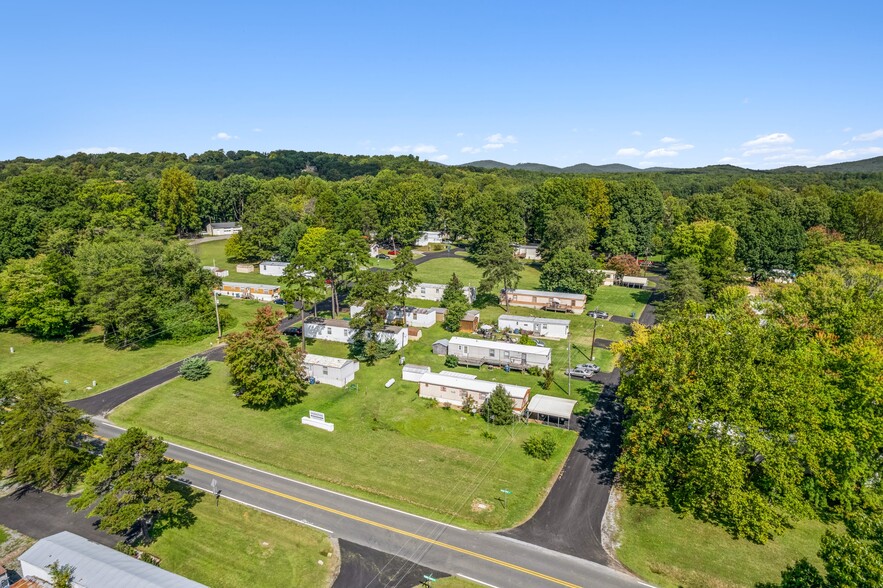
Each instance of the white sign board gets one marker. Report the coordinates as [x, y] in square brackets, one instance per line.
[317, 416]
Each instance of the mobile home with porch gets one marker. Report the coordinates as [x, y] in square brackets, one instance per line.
[249, 291]
[478, 352]
[454, 391]
[553, 301]
[534, 325]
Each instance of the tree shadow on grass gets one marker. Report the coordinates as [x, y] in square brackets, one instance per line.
[181, 520]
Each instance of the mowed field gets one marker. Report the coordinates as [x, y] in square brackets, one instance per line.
[74, 363]
[389, 445]
[230, 545]
[672, 550]
[212, 253]
[438, 271]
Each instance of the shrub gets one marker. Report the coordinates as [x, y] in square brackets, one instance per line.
[451, 361]
[548, 378]
[470, 406]
[535, 371]
[525, 340]
[195, 368]
[540, 446]
[488, 435]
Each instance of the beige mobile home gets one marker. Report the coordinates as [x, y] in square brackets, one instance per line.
[249, 291]
[554, 301]
[478, 352]
[453, 390]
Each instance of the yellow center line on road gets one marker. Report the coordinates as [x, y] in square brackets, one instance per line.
[517, 568]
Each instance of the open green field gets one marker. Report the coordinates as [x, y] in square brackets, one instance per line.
[73, 364]
[443, 466]
[673, 551]
[212, 253]
[438, 271]
[619, 300]
[231, 545]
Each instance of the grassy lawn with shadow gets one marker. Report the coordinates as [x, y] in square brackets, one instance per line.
[444, 465]
[670, 550]
[74, 363]
[230, 545]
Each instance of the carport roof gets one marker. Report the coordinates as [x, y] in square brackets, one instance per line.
[551, 406]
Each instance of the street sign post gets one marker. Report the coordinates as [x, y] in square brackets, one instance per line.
[506, 494]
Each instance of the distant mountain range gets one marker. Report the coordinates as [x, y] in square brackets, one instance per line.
[873, 165]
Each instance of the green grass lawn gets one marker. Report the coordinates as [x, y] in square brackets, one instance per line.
[438, 271]
[212, 253]
[674, 551]
[388, 445]
[619, 300]
[231, 545]
[450, 582]
[73, 364]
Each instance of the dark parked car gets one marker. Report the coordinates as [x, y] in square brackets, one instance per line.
[383, 256]
[279, 301]
[599, 314]
[296, 331]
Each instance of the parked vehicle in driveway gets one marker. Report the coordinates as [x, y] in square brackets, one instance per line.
[295, 331]
[383, 256]
[538, 343]
[599, 314]
[579, 373]
[587, 366]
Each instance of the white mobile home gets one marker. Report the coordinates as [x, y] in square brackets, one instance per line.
[430, 237]
[411, 315]
[554, 301]
[272, 268]
[261, 292]
[537, 326]
[427, 291]
[95, 566]
[341, 332]
[478, 352]
[530, 251]
[222, 229]
[454, 391]
[330, 370]
[221, 273]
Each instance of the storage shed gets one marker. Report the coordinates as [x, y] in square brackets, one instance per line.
[440, 347]
[330, 370]
[469, 322]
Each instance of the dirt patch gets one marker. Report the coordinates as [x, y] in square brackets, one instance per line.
[14, 546]
[479, 505]
[610, 531]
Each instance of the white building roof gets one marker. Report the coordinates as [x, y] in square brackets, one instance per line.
[534, 319]
[275, 263]
[244, 285]
[326, 361]
[568, 295]
[474, 385]
[97, 566]
[501, 345]
[457, 375]
[551, 406]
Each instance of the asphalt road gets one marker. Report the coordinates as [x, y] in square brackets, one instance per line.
[40, 514]
[103, 403]
[495, 559]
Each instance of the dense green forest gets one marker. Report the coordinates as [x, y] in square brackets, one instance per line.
[92, 239]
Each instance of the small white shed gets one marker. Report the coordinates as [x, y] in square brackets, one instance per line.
[272, 268]
[330, 370]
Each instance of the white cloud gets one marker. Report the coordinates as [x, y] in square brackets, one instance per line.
[847, 129]
[844, 154]
[492, 146]
[732, 160]
[661, 152]
[222, 136]
[636, 133]
[872, 136]
[470, 150]
[441, 158]
[460, 134]
[629, 152]
[424, 149]
[680, 147]
[668, 140]
[499, 138]
[257, 130]
[771, 139]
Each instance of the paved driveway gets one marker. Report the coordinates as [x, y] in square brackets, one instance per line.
[40, 514]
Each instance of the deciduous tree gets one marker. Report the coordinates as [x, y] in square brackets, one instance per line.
[176, 204]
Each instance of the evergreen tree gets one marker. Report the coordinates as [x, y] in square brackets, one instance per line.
[130, 485]
[454, 300]
[499, 266]
[498, 407]
[264, 370]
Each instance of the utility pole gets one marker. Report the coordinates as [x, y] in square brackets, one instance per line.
[217, 316]
[569, 345]
[594, 326]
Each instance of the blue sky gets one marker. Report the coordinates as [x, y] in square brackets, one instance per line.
[759, 84]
